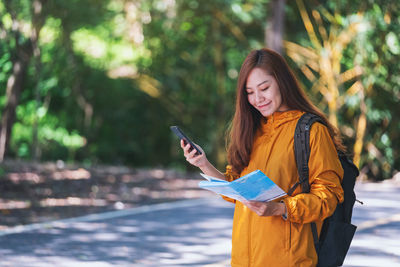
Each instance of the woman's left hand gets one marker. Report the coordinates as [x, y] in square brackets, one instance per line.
[266, 208]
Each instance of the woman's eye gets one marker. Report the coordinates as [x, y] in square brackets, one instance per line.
[249, 92]
[264, 89]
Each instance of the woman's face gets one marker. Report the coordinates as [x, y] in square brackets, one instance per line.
[263, 92]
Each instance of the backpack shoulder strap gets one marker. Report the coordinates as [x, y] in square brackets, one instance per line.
[302, 154]
[302, 149]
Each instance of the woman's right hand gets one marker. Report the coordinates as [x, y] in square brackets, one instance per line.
[200, 161]
[196, 160]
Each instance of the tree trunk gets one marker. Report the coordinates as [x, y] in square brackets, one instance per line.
[361, 127]
[14, 88]
[76, 88]
[37, 22]
[275, 26]
[23, 54]
[219, 144]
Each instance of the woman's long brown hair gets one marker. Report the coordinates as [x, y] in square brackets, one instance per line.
[247, 119]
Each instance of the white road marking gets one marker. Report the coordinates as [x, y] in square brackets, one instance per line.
[106, 215]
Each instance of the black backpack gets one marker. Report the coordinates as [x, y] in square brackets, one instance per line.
[337, 230]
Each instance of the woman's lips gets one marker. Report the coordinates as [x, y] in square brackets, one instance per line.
[263, 106]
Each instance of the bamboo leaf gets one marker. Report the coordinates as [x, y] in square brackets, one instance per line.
[350, 74]
[308, 24]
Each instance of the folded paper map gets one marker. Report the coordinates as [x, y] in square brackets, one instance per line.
[255, 186]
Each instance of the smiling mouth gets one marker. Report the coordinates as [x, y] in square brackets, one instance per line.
[263, 106]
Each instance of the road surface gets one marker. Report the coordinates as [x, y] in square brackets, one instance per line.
[186, 233]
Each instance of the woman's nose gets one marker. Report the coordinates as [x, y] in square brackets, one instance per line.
[259, 97]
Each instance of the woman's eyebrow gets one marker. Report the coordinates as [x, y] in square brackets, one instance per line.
[259, 84]
[263, 82]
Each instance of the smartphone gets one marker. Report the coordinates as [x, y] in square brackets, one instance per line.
[185, 139]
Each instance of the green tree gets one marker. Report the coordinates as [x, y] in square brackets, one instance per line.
[360, 41]
[22, 46]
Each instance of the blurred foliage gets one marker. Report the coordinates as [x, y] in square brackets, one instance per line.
[376, 50]
[115, 74]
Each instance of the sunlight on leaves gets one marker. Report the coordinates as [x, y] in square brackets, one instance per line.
[89, 44]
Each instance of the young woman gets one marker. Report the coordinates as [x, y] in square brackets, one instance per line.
[269, 103]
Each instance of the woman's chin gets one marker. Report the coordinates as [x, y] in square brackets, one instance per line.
[266, 113]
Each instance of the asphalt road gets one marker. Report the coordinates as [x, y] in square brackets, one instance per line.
[187, 233]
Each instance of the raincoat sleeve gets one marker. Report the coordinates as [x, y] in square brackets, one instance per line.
[325, 172]
[230, 175]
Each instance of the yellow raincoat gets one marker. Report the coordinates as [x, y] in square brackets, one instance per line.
[273, 241]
